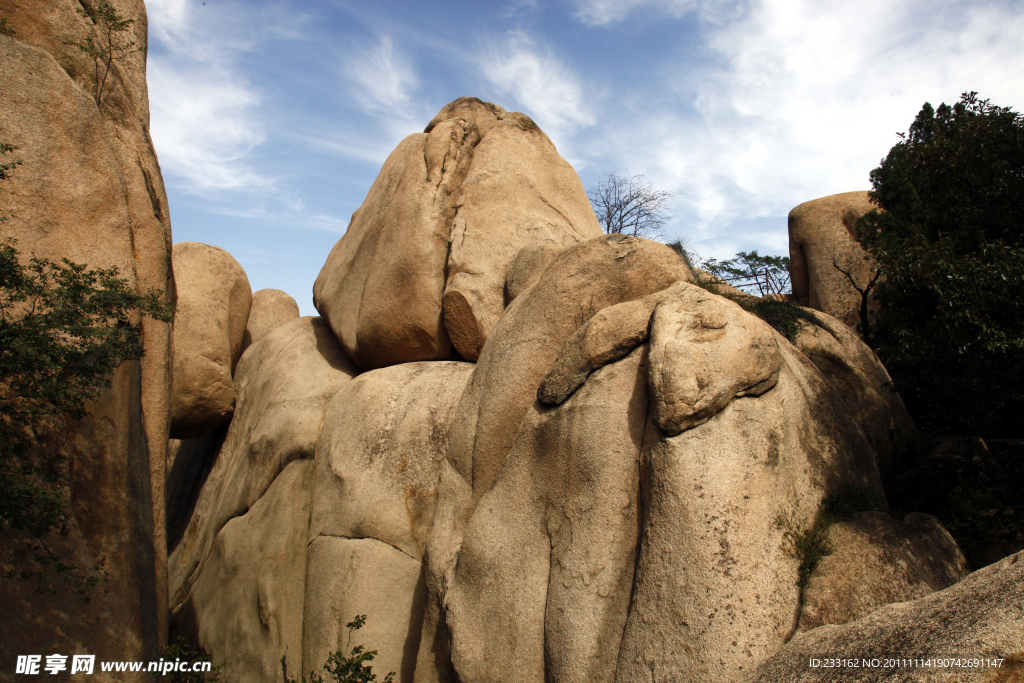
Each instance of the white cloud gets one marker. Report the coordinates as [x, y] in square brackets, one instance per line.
[382, 80]
[202, 108]
[539, 83]
[606, 12]
[805, 97]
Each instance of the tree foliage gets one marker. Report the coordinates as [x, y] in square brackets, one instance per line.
[753, 273]
[629, 206]
[353, 668]
[113, 45]
[63, 330]
[948, 245]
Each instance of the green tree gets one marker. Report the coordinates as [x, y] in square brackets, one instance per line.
[112, 46]
[352, 668]
[752, 272]
[948, 246]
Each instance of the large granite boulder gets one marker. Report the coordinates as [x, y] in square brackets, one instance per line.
[90, 190]
[270, 308]
[821, 237]
[213, 308]
[283, 385]
[979, 618]
[424, 261]
[875, 560]
[377, 465]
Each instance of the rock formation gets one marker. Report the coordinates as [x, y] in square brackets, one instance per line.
[424, 261]
[821, 237]
[209, 325]
[90, 190]
[982, 617]
[270, 308]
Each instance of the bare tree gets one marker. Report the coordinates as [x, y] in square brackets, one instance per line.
[874, 273]
[629, 206]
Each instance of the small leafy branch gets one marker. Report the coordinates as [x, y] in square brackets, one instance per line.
[351, 669]
[749, 271]
[5, 28]
[112, 46]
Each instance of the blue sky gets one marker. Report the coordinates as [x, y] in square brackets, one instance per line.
[272, 119]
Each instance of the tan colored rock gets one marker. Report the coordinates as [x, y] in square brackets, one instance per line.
[716, 589]
[382, 284]
[283, 385]
[527, 267]
[90, 190]
[483, 114]
[705, 351]
[580, 282]
[270, 308]
[378, 463]
[877, 560]
[213, 308]
[979, 617]
[860, 379]
[567, 500]
[820, 231]
[518, 192]
[248, 602]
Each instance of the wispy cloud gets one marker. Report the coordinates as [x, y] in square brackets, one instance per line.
[539, 82]
[381, 78]
[606, 12]
[203, 109]
[799, 99]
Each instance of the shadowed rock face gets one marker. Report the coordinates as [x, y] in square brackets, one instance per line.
[90, 190]
[424, 261]
[981, 616]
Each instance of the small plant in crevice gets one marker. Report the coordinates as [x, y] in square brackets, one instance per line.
[5, 28]
[112, 46]
[811, 545]
[184, 650]
[353, 668]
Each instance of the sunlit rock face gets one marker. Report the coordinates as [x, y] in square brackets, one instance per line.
[420, 273]
[615, 490]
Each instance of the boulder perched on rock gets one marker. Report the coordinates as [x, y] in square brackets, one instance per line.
[876, 560]
[821, 246]
[213, 308]
[283, 384]
[270, 308]
[377, 467]
[979, 618]
[424, 261]
[90, 190]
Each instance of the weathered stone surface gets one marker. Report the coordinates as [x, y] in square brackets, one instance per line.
[981, 616]
[820, 231]
[90, 190]
[583, 280]
[860, 379]
[527, 267]
[706, 350]
[716, 590]
[247, 604]
[877, 560]
[283, 385]
[382, 285]
[213, 308]
[378, 462]
[270, 308]
[518, 192]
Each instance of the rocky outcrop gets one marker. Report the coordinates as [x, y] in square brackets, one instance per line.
[859, 378]
[518, 192]
[213, 308]
[90, 190]
[876, 560]
[270, 308]
[424, 261]
[821, 237]
[283, 384]
[378, 461]
[981, 617]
